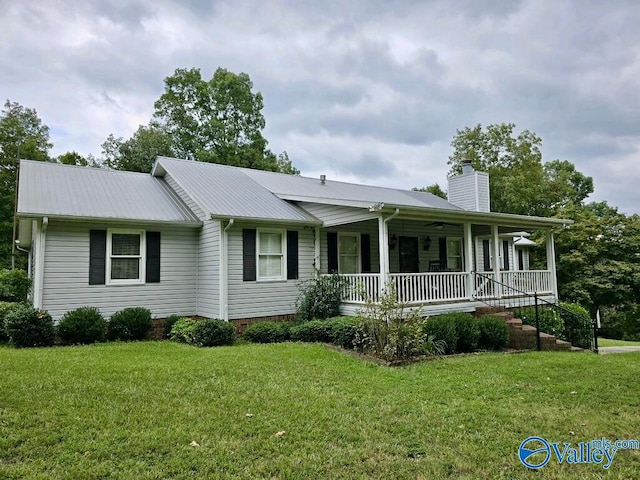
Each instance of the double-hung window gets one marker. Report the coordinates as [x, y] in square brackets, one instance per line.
[125, 256]
[454, 254]
[271, 258]
[348, 253]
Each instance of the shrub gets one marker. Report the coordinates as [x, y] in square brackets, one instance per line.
[493, 333]
[320, 297]
[385, 330]
[28, 327]
[268, 332]
[550, 320]
[132, 323]
[5, 307]
[467, 330]
[183, 330]
[344, 331]
[14, 285]
[313, 331]
[443, 328]
[578, 329]
[211, 332]
[82, 325]
[168, 324]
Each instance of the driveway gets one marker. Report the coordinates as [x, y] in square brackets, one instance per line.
[605, 350]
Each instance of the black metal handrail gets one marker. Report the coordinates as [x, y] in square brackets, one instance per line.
[533, 299]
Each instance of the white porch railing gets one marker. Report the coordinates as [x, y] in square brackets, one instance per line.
[425, 288]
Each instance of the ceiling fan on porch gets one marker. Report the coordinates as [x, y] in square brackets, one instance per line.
[439, 225]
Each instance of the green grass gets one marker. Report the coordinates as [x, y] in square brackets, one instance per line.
[131, 411]
[607, 342]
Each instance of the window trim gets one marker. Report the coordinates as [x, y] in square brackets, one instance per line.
[460, 240]
[283, 255]
[142, 256]
[358, 253]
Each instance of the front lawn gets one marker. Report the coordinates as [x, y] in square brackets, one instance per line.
[607, 342]
[132, 410]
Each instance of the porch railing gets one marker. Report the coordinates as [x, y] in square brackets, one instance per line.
[437, 287]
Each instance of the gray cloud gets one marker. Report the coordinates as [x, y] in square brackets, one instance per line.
[369, 91]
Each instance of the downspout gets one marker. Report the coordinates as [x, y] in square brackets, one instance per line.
[224, 287]
[384, 249]
[39, 286]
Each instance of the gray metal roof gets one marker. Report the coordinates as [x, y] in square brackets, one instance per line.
[312, 190]
[225, 191]
[51, 189]
[243, 192]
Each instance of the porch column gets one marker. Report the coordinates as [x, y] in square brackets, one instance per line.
[383, 247]
[316, 245]
[468, 260]
[551, 262]
[496, 260]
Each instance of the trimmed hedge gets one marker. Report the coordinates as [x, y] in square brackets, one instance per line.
[28, 327]
[468, 332]
[494, 334]
[168, 324]
[82, 325]
[443, 328]
[313, 331]
[550, 320]
[206, 332]
[268, 332]
[132, 323]
[344, 331]
[578, 328]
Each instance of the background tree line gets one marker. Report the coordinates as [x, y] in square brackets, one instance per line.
[220, 120]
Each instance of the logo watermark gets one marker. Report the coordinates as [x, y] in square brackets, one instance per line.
[536, 452]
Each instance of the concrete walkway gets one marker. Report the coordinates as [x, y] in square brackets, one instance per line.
[606, 350]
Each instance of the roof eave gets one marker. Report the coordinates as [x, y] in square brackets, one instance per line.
[279, 221]
[79, 219]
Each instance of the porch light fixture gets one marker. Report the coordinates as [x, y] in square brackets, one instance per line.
[426, 243]
[393, 241]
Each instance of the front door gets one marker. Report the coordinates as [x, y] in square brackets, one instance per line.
[409, 257]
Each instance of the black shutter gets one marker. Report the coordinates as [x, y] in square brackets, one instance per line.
[292, 254]
[249, 254]
[442, 247]
[505, 254]
[153, 257]
[486, 255]
[365, 252]
[97, 256]
[332, 252]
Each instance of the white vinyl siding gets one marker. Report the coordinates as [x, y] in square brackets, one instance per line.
[259, 299]
[208, 294]
[66, 274]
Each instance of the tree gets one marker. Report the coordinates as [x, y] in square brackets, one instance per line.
[72, 158]
[217, 121]
[599, 264]
[138, 153]
[434, 189]
[519, 181]
[22, 135]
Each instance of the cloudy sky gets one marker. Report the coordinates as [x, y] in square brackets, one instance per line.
[367, 91]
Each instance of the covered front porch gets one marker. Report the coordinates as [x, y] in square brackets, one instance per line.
[441, 263]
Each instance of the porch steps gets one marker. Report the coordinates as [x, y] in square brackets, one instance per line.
[523, 337]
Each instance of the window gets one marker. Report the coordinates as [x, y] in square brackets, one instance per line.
[454, 254]
[125, 256]
[348, 253]
[271, 258]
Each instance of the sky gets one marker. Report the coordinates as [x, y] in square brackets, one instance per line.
[363, 91]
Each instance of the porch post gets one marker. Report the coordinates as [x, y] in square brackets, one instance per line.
[383, 247]
[496, 260]
[468, 260]
[551, 262]
[316, 244]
